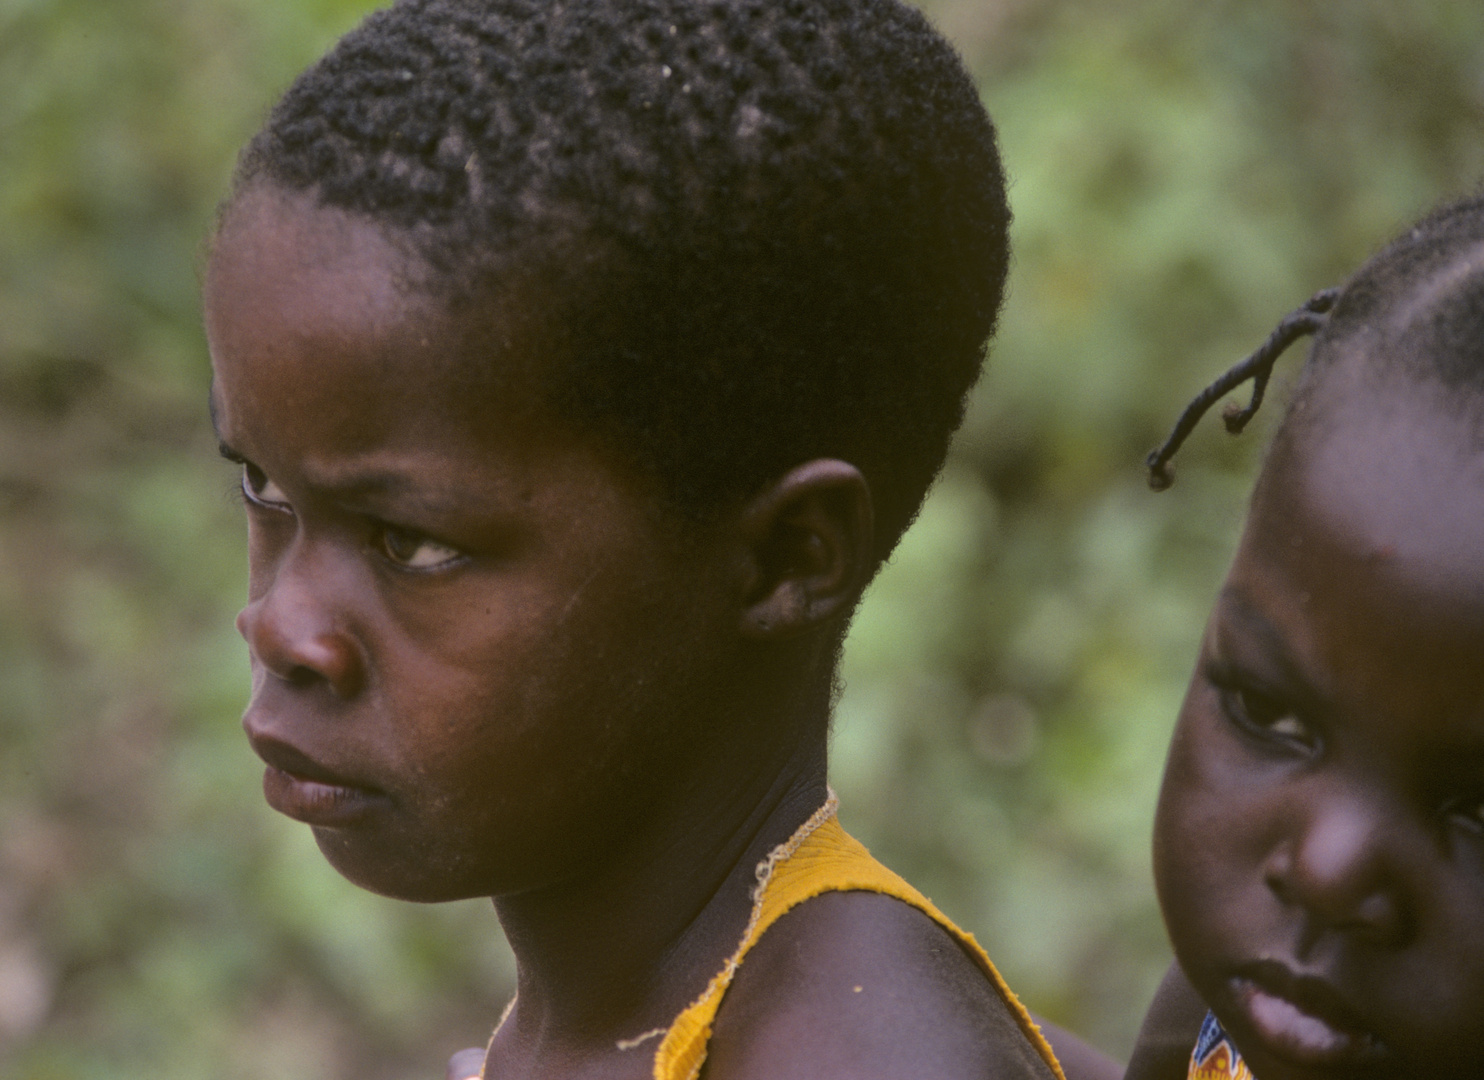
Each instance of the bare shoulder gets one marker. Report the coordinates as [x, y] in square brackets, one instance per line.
[1169, 1031]
[863, 986]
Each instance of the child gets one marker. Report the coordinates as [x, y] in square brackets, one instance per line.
[583, 361]
[1319, 844]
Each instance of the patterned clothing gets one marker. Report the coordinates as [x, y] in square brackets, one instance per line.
[1215, 1056]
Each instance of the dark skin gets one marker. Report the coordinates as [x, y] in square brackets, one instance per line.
[1079, 1059]
[487, 660]
[1319, 844]
[1168, 1033]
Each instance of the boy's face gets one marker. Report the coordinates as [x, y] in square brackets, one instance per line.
[478, 646]
[1319, 845]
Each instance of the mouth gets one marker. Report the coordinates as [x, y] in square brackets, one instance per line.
[299, 787]
[1303, 1019]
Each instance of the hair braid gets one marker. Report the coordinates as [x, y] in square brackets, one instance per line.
[1414, 311]
[1258, 367]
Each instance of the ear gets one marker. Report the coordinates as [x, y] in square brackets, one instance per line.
[810, 542]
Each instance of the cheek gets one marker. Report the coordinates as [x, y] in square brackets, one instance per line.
[538, 741]
[1215, 785]
[267, 539]
[1209, 828]
[522, 677]
[1180, 843]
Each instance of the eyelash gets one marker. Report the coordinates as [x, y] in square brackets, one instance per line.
[1262, 715]
[242, 489]
[254, 479]
[1470, 811]
[1265, 718]
[387, 537]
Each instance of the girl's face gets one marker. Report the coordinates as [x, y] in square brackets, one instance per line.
[1319, 845]
[477, 644]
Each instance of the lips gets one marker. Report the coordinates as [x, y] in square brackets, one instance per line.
[299, 787]
[1302, 1019]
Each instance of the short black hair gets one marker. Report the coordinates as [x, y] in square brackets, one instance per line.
[778, 228]
[1415, 309]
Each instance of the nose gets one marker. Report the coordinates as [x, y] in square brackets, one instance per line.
[293, 632]
[1341, 865]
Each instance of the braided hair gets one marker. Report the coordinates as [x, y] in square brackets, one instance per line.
[766, 230]
[1417, 305]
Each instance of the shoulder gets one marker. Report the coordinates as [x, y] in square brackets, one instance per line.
[864, 986]
[1169, 1032]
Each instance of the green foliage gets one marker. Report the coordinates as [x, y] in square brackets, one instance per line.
[1183, 174]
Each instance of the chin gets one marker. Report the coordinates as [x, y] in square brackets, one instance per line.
[424, 878]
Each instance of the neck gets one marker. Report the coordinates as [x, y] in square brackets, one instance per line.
[621, 949]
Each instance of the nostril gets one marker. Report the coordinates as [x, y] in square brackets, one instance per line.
[330, 657]
[299, 675]
[342, 680]
[1380, 912]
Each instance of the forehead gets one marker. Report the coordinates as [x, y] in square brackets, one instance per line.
[331, 364]
[1364, 551]
[308, 306]
[1381, 472]
[290, 264]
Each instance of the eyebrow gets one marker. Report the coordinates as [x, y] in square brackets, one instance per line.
[1235, 605]
[1244, 616]
[361, 483]
[354, 484]
[361, 488]
[214, 411]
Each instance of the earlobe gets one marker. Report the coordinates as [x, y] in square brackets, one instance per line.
[810, 542]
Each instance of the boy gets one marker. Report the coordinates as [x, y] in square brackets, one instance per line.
[584, 360]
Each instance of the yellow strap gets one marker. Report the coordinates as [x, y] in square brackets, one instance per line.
[820, 857]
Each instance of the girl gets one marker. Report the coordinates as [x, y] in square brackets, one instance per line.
[1319, 842]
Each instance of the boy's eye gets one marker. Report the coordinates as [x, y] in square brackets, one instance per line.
[412, 549]
[261, 491]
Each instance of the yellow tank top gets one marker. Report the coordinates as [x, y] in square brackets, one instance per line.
[820, 857]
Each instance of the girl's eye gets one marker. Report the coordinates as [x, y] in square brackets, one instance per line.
[1290, 727]
[260, 491]
[1267, 717]
[415, 551]
[1470, 812]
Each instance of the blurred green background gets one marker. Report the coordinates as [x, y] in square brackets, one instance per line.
[1184, 171]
